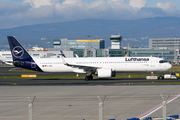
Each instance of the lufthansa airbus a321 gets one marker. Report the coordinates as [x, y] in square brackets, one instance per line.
[103, 67]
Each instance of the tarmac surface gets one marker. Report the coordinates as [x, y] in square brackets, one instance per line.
[78, 99]
[81, 102]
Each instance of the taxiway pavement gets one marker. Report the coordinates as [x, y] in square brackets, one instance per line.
[12, 71]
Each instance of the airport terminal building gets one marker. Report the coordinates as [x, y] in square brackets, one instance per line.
[167, 43]
[168, 54]
[66, 44]
[167, 48]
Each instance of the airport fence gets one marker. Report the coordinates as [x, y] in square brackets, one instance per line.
[118, 107]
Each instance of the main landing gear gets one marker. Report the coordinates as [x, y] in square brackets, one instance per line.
[87, 78]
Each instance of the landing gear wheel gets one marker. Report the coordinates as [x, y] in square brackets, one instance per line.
[91, 77]
[87, 78]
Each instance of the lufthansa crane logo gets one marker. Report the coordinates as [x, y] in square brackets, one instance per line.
[18, 51]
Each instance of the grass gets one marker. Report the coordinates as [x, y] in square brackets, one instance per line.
[10, 76]
[80, 76]
[175, 68]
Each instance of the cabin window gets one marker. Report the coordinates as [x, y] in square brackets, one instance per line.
[162, 61]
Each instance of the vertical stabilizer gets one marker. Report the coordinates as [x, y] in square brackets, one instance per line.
[17, 50]
[62, 53]
[21, 57]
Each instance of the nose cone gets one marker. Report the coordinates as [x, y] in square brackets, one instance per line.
[168, 66]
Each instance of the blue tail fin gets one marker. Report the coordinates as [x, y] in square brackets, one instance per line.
[17, 50]
[21, 57]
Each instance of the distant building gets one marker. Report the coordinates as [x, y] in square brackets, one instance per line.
[116, 41]
[167, 48]
[164, 43]
[65, 44]
[100, 52]
[117, 52]
[7, 54]
[168, 54]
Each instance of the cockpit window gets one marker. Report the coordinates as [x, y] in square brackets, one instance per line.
[162, 61]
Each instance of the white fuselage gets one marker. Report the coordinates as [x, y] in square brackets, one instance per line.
[118, 64]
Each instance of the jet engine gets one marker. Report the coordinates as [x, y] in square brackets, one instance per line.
[105, 73]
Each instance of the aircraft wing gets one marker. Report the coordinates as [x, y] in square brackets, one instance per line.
[84, 67]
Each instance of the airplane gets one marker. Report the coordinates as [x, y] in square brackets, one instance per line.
[103, 67]
[7, 60]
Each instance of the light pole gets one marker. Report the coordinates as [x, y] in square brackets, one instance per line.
[89, 45]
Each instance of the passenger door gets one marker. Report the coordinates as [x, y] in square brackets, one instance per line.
[152, 62]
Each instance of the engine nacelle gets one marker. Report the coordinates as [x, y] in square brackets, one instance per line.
[106, 73]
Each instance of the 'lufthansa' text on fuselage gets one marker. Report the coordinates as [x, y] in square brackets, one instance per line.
[136, 59]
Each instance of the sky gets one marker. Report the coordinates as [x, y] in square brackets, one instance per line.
[15, 13]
